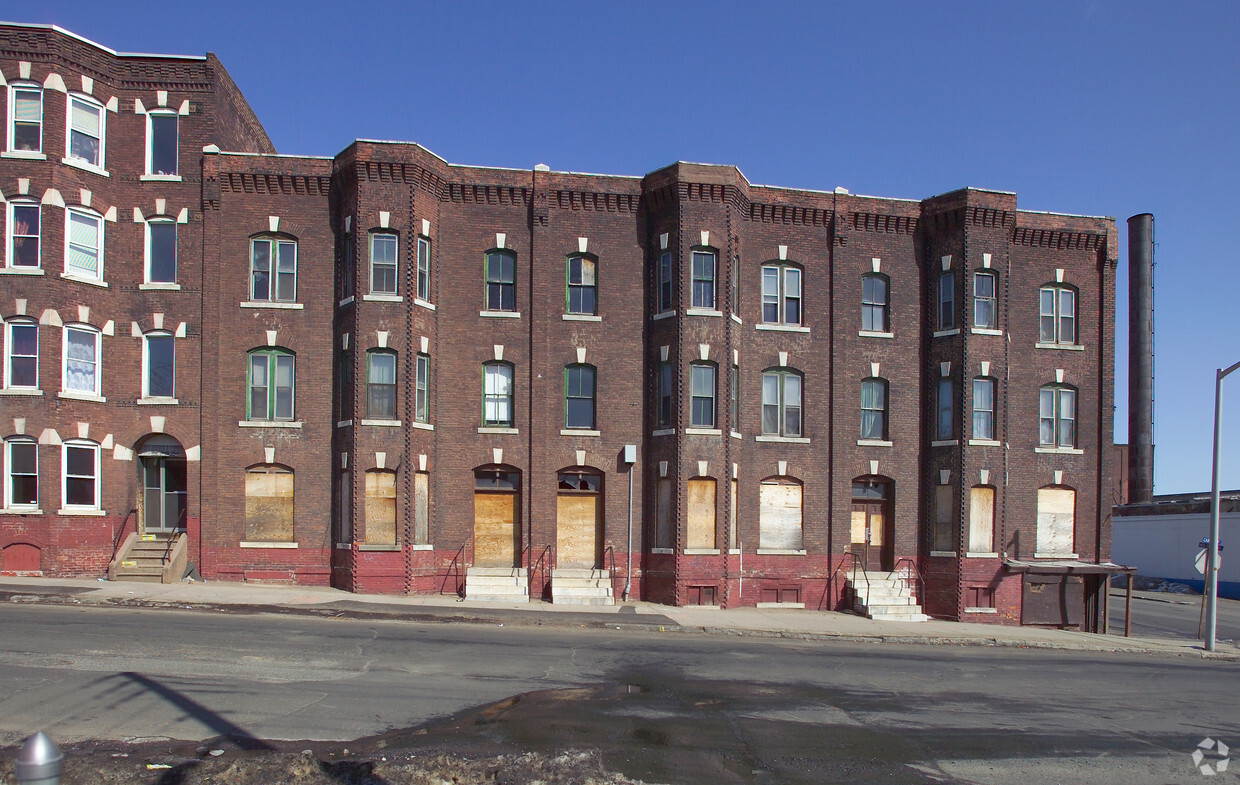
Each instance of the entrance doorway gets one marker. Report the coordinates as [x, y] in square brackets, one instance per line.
[497, 496]
[579, 520]
[162, 474]
[873, 535]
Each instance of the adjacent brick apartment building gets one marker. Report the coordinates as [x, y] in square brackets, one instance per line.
[390, 373]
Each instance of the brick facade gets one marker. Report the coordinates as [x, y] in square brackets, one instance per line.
[331, 462]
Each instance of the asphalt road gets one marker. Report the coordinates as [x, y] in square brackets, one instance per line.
[1166, 615]
[673, 707]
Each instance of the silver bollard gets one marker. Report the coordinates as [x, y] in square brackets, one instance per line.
[39, 762]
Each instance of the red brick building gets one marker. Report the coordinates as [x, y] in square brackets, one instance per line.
[390, 373]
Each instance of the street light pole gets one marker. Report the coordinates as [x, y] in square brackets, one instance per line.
[1212, 553]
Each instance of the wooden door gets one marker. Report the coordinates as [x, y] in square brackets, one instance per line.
[577, 536]
[495, 529]
[871, 535]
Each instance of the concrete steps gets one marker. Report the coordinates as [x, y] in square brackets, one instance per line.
[497, 584]
[886, 596]
[581, 587]
[151, 558]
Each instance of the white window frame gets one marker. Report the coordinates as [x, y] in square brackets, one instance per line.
[99, 166]
[424, 268]
[10, 224]
[11, 140]
[492, 372]
[395, 263]
[781, 405]
[8, 353]
[149, 256]
[992, 300]
[271, 357]
[273, 271]
[780, 297]
[64, 363]
[421, 389]
[64, 476]
[946, 300]
[708, 372]
[150, 144]
[74, 272]
[9, 503]
[665, 279]
[709, 283]
[146, 365]
[1057, 418]
[979, 433]
[1057, 315]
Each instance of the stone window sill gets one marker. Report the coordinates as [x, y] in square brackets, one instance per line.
[160, 178]
[701, 551]
[500, 314]
[782, 439]
[344, 423]
[875, 334]
[980, 610]
[497, 429]
[945, 443]
[269, 423]
[664, 432]
[704, 312]
[21, 271]
[377, 546]
[580, 432]
[86, 513]
[1058, 451]
[944, 554]
[736, 435]
[978, 555]
[272, 545]
[662, 551]
[382, 298]
[736, 318]
[703, 432]
[28, 155]
[418, 301]
[581, 317]
[873, 443]
[20, 392]
[80, 396]
[20, 511]
[159, 286]
[422, 426]
[946, 333]
[781, 328]
[272, 305]
[663, 315]
[346, 301]
[984, 443]
[382, 423]
[1063, 347]
[157, 402]
[85, 280]
[985, 331]
[780, 552]
[76, 164]
[422, 547]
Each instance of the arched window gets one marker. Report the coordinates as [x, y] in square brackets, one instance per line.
[874, 408]
[984, 408]
[383, 263]
[21, 473]
[781, 294]
[1057, 416]
[875, 298]
[779, 515]
[781, 402]
[269, 503]
[21, 354]
[501, 281]
[271, 380]
[985, 300]
[26, 118]
[381, 384]
[497, 394]
[582, 284]
[273, 269]
[81, 361]
[1057, 314]
[24, 226]
[579, 389]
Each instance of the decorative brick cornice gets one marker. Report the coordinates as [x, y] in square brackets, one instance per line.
[286, 184]
[594, 200]
[1058, 238]
[989, 216]
[487, 194]
[882, 223]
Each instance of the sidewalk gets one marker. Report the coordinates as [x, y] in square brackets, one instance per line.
[759, 622]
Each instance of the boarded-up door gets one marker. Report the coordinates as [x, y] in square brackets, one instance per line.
[495, 529]
[577, 535]
[870, 535]
[779, 517]
[981, 519]
[1056, 518]
[269, 504]
[381, 508]
[701, 513]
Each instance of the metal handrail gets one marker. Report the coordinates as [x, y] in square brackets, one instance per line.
[454, 566]
[116, 545]
[611, 571]
[853, 578]
[921, 596]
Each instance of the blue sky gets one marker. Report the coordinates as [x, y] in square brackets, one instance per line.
[1102, 108]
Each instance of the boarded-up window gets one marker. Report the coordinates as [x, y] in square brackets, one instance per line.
[421, 508]
[1056, 519]
[269, 504]
[734, 537]
[381, 508]
[779, 516]
[701, 513]
[981, 519]
[944, 518]
[663, 514]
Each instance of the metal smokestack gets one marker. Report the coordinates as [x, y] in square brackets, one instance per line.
[1141, 358]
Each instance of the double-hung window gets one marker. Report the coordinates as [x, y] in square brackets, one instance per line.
[579, 396]
[272, 374]
[781, 403]
[582, 285]
[781, 295]
[21, 473]
[945, 422]
[161, 144]
[497, 395]
[663, 393]
[159, 366]
[665, 282]
[985, 301]
[161, 252]
[23, 245]
[81, 475]
[984, 409]
[704, 279]
[501, 281]
[383, 249]
[86, 131]
[874, 409]
[874, 302]
[84, 246]
[1057, 315]
[421, 390]
[947, 300]
[81, 360]
[702, 395]
[25, 118]
[424, 269]
[381, 385]
[1057, 417]
[273, 270]
[21, 355]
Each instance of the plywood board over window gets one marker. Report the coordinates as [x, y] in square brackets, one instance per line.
[421, 508]
[381, 508]
[701, 513]
[1056, 521]
[663, 514]
[269, 504]
[981, 519]
[779, 517]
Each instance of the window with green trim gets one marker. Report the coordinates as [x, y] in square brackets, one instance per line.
[421, 395]
[501, 280]
[497, 394]
[270, 380]
[579, 396]
[582, 285]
